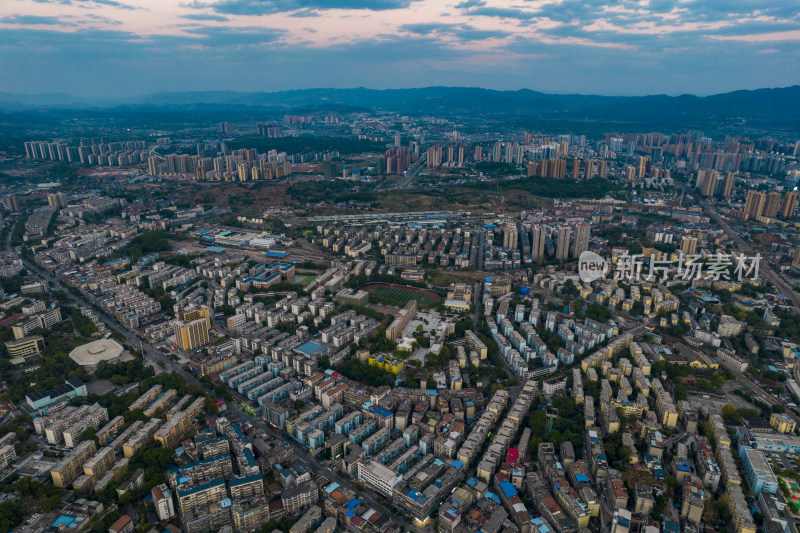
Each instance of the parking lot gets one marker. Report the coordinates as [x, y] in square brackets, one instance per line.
[784, 461]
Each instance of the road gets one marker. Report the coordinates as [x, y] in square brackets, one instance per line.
[309, 459]
[167, 364]
[476, 301]
[764, 395]
[481, 244]
[412, 173]
[764, 268]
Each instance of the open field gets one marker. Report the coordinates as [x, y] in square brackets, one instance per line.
[400, 295]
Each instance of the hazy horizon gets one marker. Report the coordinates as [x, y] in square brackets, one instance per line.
[113, 98]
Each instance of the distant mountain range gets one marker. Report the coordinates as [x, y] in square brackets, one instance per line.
[763, 106]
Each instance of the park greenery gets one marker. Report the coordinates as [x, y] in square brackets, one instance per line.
[147, 243]
[329, 191]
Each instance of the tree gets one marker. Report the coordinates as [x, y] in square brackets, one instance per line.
[89, 433]
[625, 453]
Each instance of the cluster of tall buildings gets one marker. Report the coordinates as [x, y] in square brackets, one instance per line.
[506, 152]
[735, 154]
[93, 151]
[769, 205]
[711, 183]
[557, 241]
[240, 165]
[57, 200]
[395, 161]
[452, 154]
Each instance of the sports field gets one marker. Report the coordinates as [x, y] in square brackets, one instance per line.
[400, 295]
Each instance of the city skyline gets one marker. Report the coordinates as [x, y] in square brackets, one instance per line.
[109, 48]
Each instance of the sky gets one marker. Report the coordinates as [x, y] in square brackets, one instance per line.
[119, 48]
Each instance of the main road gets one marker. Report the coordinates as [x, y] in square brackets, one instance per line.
[415, 169]
[764, 268]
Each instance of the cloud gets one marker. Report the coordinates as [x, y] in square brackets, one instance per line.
[305, 13]
[269, 7]
[624, 46]
[88, 4]
[205, 16]
[789, 35]
[30, 20]
[464, 32]
[466, 4]
[502, 12]
[424, 28]
[112, 3]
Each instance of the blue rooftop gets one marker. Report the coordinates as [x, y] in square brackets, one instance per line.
[381, 411]
[63, 520]
[416, 495]
[508, 489]
[494, 497]
[310, 348]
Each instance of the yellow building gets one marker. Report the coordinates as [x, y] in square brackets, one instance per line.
[782, 423]
[475, 343]
[457, 305]
[198, 312]
[192, 334]
[25, 346]
[68, 470]
[386, 363]
[169, 435]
